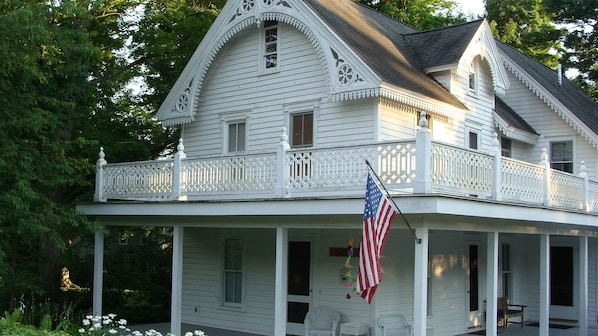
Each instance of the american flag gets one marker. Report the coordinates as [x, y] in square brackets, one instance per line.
[377, 215]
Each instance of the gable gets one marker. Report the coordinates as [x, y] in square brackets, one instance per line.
[561, 96]
[347, 75]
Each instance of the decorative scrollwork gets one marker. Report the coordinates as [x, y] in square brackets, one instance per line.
[345, 73]
[248, 5]
[183, 102]
[268, 3]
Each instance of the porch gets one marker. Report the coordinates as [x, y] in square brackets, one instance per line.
[527, 330]
[419, 166]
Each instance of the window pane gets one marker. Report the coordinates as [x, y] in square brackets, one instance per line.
[302, 129]
[561, 156]
[473, 140]
[236, 137]
[233, 283]
[233, 254]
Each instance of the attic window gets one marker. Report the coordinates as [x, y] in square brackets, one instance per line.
[472, 80]
[270, 46]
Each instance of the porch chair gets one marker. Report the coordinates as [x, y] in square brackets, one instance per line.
[322, 321]
[507, 310]
[394, 325]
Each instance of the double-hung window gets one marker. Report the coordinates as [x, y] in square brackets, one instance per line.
[561, 155]
[302, 129]
[236, 136]
[232, 295]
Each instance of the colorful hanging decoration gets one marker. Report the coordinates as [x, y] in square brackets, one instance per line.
[348, 271]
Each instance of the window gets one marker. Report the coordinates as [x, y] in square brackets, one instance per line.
[472, 79]
[302, 127]
[505, 147]
[236, 137]
[561, 156]
[233, 272]
[270, 46]
[473, 140]
[505, 259]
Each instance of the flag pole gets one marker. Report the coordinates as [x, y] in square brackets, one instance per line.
[417, 240]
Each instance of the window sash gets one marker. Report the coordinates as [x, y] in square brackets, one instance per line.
[233, 271]
[561, 156]
[236, 137]
[302, 129]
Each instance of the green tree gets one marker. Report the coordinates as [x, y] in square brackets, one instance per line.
[62, 95]
[527, 26]
[580, 39]
[421, 14]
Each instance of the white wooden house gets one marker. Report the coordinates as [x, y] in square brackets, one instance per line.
[280, 106]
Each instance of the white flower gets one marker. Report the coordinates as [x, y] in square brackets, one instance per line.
[198, 333]
[122, 322]
[86, 322]
[188, 333]
[137, 333]
[112, 331]
[112, 315]
[81, 330]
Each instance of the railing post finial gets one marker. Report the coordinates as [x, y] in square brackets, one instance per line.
[284, 137]
[101, 157]
[423, 122]
[180, 147]
[100, 163]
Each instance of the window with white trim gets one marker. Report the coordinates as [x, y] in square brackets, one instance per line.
[302, 129]
[473, 140]
[561, 155]
[232, 273]
[472, 79]
[269, 47]
[236, 136]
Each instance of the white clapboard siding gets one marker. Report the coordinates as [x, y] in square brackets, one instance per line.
[201, 281]
[549, 124]
[235, 87]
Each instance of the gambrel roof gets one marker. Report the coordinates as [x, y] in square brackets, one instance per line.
[566, 99]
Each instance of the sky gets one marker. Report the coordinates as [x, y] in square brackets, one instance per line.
[474, 7]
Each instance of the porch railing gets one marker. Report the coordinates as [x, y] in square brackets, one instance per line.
[419, 166]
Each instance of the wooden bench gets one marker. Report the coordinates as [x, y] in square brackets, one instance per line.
[507, 310]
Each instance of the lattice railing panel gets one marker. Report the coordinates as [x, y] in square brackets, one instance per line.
[235, 173]
[566, 190]
[522, 181]
[593, 196]
[150, 179]
[396, 163]
[338, 167]
[461, 170]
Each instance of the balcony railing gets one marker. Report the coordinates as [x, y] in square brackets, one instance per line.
[419, 166]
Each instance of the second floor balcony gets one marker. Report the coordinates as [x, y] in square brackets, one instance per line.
[416, 166]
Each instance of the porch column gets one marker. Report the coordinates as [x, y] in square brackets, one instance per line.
[98, 272]
[492, 288]
[583, 286]
[177, 280]
[280, 286]
[420, 286]
[544, 283]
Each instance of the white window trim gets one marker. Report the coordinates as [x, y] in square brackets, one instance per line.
[473, 69]
[302, 107]
[548, 147]
[233, 118]
[262, 70]
[221, 288]
[473, 129]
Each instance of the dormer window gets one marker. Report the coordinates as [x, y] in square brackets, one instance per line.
[270, 47]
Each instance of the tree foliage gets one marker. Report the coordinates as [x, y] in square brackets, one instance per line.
[65, 90]
[421, 14]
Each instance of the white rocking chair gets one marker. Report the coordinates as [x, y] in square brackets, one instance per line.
[321, 321]
[394, 325]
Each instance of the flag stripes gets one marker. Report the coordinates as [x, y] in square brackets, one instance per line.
[377, 216]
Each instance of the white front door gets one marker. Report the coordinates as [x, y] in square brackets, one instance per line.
[299, 286]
